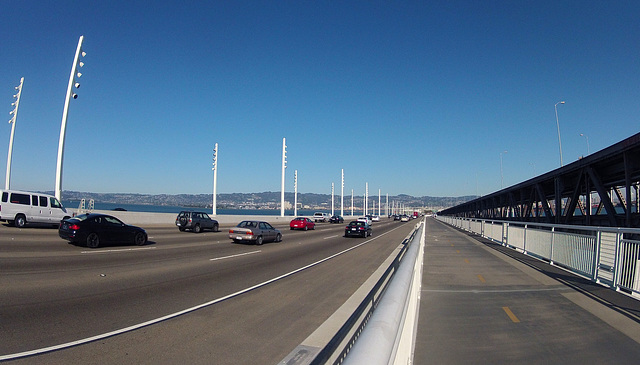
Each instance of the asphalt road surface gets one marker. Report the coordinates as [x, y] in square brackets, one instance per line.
[183, 298]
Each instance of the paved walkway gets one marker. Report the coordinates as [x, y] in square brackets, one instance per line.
[485, 304]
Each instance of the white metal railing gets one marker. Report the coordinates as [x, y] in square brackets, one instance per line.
[608, 256]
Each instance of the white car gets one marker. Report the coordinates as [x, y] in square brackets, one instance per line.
[321, 217]
[365, 219]
[375, 218]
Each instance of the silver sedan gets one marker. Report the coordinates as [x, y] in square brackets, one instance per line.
[254, 231]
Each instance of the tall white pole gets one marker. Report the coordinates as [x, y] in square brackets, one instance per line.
[295, 193]
[366, 198]
[558, 124]
[332, 200]
[501, 173]
[352, 202]
[12, 121]
[387, 206]
[379, 197]
[65, 112]
[284, 166]
[215, 177]
[342, 196]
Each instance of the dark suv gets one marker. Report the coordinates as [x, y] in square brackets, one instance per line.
[196, 221]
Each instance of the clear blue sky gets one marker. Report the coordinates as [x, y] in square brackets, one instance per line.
[414, 98]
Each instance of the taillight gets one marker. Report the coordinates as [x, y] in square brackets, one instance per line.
[250, 233]
[74, 227]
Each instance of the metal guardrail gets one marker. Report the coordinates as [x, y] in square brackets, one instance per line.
[333, 347]
[605, 255]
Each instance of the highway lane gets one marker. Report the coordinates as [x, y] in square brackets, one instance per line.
[54, 293]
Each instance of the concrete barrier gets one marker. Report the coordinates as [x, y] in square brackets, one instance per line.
[149, 218]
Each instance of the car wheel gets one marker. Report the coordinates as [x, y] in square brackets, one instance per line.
[215, 228]
[278, 237]
[181, 229]
[197, 229]
[20, 221]
[259, 241]
[140, 239]
[306, 228]
[93, 241]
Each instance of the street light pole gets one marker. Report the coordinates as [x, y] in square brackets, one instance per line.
[558, 124]
[215, 177]
[332, 200]
[342, 196]
[587, 137]
[65, 113]
[284, 166]
[295, 193]
[12, 121]
[501, 174]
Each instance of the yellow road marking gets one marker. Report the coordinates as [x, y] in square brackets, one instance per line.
[457, 251]
[466, 260]
[481, 278]
[513, 317]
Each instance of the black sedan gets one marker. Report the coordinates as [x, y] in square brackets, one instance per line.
[97, 229]
[336, 219]
[358, 228]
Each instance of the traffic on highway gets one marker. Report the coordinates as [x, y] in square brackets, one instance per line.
[180, 296]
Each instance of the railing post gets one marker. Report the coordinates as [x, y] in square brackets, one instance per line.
[553, 239]
[617, 265]
[524, 239]
[596, 257]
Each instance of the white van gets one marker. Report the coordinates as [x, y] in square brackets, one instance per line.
[22, 207]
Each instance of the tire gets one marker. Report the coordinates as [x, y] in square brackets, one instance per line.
[140, 239]
[183, 221]
[93, 241]
[259, 241]
[197, 228]
[305, 228]
[181, 229]
[278, 237]
[20, 221]
[215, 227]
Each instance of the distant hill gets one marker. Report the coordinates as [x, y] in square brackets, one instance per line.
[237, 200]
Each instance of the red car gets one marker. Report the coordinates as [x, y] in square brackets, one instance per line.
[302, 223]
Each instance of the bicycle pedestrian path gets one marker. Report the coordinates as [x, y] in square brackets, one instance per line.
[482, 303]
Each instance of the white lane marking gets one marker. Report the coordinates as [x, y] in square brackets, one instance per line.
[326, 238]
[232, 256]
[176, 314]
[121, 250]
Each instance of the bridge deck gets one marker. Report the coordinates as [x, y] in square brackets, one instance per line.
[485, 304]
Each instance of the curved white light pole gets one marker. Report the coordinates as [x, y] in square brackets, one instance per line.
[12, 121]
[63, 126]
[558, 124]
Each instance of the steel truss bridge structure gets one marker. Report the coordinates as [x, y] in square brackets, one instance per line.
[597, 190]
